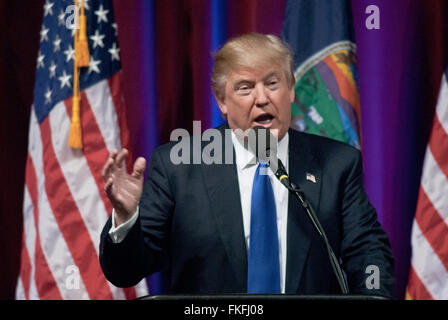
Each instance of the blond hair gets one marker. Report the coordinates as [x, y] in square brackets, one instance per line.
[250, 50]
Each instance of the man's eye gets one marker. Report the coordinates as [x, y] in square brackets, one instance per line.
[243, 89]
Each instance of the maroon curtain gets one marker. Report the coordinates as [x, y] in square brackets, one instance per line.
[19, 43]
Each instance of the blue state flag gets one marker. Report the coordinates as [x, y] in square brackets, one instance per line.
[321, 34]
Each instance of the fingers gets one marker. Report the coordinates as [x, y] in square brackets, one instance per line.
[110, 192]
[121, 156]
[107, 167]
[116, 160]
[110, 164]
[114, 154]
[139, 168]
[108, 186]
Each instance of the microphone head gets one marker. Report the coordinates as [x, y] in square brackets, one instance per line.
[263, 143]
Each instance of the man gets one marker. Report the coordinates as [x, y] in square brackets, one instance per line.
[203, 223]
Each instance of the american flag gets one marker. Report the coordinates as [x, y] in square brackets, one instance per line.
[65, 206]
[428, 275]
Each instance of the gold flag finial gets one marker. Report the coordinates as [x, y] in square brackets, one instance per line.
[81, 44]
[81, 60]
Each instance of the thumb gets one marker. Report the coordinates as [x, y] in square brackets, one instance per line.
[139, 168]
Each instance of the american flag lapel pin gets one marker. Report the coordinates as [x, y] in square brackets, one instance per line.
[310, 177]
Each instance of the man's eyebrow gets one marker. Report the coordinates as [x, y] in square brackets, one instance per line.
[271, 74]
[247, 81]
[242, 81]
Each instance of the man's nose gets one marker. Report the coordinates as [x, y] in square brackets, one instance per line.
[261, 97]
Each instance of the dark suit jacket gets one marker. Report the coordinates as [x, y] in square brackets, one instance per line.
[190, 225]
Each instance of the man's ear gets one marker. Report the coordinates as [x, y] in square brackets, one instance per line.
[221, 104]
[292, 94]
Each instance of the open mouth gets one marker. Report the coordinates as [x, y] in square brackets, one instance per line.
[264, 118]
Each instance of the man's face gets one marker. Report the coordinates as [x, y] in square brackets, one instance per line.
[258, 97]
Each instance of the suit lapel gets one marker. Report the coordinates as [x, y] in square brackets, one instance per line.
[221, 182]
[300, 230]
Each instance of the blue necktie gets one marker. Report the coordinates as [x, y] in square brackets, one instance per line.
[263, 272]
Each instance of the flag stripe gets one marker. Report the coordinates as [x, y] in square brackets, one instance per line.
[433, 227]
[103, 109]
[435, 184]
[442, 103]
[54, 248]
[347, 91]
[115, 92]
[20, 291]
[57, 253]
[344, 67]
[78, 175]
[94, 148]
[430, 228]
[141, 288]
[25, 269]
[29, 237]
[329, 78]
[439, 145]
[46, 279]
[45, 283]
[95, 153]
[130, 293]
[70, 221]
[428, 266]
[416, 288]
[29, 231]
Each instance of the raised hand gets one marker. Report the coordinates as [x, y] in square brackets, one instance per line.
[123, 189]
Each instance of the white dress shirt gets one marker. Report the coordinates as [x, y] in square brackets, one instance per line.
[246, 166]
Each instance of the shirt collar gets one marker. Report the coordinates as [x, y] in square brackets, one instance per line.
[245, 159]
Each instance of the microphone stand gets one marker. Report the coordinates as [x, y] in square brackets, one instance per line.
[300, 196]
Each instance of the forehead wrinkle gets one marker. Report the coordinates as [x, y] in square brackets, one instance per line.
[246, 73]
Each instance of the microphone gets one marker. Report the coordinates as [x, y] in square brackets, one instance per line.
[266, 150]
